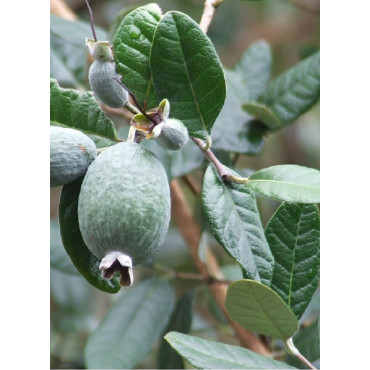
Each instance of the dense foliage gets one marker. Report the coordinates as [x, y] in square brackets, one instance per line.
[267, 276]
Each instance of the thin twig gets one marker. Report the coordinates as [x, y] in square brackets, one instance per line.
[92, 21]
[223, 172]
[188, 275]
[212, 158]
[118, 111]
[210, 7]
[293, 350]
[191, 184]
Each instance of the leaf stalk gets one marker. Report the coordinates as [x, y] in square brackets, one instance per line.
[293, 350]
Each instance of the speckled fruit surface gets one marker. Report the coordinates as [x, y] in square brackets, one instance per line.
[71, 153]
[124, 203]
[174, 135]
[105, 88]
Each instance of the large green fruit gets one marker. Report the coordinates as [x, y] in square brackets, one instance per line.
[71, 153]
[124, 208]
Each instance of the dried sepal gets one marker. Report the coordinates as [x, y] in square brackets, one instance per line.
[115, 262]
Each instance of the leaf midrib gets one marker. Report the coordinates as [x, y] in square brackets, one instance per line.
[147, 294]
[293, 260]
[279, 97]
[283, 183]
[190, 83]
[266, 315]
[228, 191]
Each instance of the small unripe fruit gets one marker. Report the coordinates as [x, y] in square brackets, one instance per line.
[102, 74]
[173, 134]
[124, 208]
[71, 153]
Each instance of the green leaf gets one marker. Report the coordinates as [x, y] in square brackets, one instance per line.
[292, 93]
[262, 112]
[293, 235]
[313, 309]
[254, 67]
[187, 71]
[59, 259]
[73, 109]
[307, 340]
[235, 222]
[258, 308]
[74, 32]
[205, 354]
[180, 321]
[235, 130]
[84, 261]
[290, 183]
[69, 292]
[132, 43]
[131, 327]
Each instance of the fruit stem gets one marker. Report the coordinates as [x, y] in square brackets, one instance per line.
[91, 21]
[131, 108]
[131, 134]
[220, 168]
[142, 111]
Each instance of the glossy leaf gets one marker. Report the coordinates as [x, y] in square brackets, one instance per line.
[234, 129]
[132, 44]
[131, 327]
[73, 109]
[258, 308]
[293, 92]
[180, 321]
[307, 340]
[254, 67]
[290, 183]
[293, 235]
[205, 354]
[74, 32]
[187, 71]
[235, 222]
[84, 261]
[59, 259]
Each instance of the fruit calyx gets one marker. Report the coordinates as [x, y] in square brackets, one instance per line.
[117, 262]
[100, 50]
